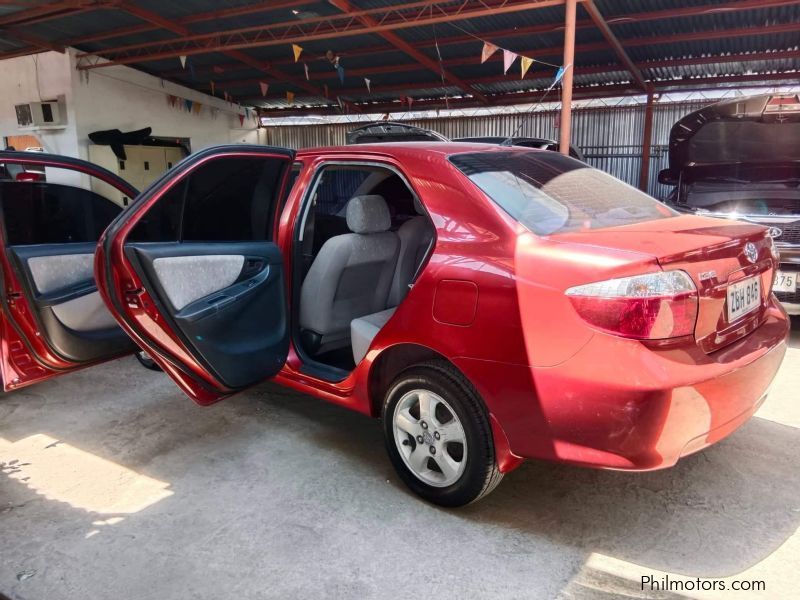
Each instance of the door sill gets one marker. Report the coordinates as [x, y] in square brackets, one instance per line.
[322, 371]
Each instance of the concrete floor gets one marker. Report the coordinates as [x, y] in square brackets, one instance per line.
[114, 485]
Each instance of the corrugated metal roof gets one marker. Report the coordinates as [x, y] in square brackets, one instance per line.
[537, 33]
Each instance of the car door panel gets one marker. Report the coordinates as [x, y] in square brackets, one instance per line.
[191, 271]
[53, 318]
[58, 282]
[226, 300]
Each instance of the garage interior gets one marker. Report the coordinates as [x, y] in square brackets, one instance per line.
[114, 484]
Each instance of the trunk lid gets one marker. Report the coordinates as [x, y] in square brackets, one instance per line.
[712, 252]
[737, 131]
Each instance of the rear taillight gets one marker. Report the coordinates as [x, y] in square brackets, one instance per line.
[655, 306]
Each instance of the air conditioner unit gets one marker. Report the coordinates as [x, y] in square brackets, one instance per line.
[40, 115]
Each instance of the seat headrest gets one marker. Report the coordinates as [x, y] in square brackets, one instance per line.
[368, 214]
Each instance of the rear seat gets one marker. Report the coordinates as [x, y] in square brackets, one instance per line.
[363, 330]
[415, 236]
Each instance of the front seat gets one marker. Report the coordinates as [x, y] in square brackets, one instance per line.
[350, 276]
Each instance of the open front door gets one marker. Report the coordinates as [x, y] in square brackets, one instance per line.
[53, 210]
[192, 272]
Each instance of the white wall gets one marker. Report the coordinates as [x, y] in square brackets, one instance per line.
[122, 98]
[115, 97]
[53, 73]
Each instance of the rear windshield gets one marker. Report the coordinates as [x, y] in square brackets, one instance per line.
[551, 193]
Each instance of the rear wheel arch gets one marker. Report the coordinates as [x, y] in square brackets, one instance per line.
[389, 364]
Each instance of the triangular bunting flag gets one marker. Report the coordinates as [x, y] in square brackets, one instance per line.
[241, 120]
[340, 70]
[196, 108]
[188, 105]
[403, 99]
[213, 91]
[508, 59]
[559, 75]
[183, 61]
[290, 97]
[264, 87]
[297, 50]
[488, 50]
[369, 85]
[525, 64]
[410, 101]
[305, 67]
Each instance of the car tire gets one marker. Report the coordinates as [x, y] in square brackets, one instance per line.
[433, 409]
[147, 362]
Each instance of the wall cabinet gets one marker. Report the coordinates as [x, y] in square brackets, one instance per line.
[142, 166]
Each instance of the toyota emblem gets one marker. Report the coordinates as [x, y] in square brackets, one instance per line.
[751, 252]
[775, 232]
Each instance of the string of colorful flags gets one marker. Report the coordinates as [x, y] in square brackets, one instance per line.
[195, 107]
[487, 51]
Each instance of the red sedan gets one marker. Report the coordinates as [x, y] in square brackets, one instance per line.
[489, 303]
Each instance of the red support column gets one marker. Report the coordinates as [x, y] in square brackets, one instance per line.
[566, 82]
[647, 139]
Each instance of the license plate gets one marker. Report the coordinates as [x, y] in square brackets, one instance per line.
[743, 296]
[785, 281]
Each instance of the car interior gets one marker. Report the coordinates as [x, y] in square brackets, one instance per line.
[363, 238]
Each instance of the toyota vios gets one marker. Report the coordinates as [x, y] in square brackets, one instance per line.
[489, 304]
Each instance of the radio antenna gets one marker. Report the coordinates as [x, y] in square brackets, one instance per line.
[559, 74]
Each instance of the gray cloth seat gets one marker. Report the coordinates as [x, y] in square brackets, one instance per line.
[364, 329]
[350, 276]
[415, 237]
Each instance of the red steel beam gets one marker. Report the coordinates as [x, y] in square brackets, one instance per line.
[548, 74]
[405, 47]
[584, 93]
[732, 6]
[265, 36]
[614, 42]
[647, 140]
[32, 40]
[251, 62]
[565, 124]
[213, 15]
[552, 51]
[411, 14]
[45, 11]
[500, 100]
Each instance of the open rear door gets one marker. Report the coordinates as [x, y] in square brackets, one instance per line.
[192, 272]
[53, 210]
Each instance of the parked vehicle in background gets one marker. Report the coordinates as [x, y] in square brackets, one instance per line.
[526, 142]
[489, 303]
[740, 159]
[389, 131]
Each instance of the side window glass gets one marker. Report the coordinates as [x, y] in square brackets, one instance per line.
[57, 206]
[226, 199]
[336, 187]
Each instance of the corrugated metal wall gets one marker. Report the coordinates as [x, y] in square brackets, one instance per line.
[610, 137]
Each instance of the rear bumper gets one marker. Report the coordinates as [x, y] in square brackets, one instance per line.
[620, 405]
